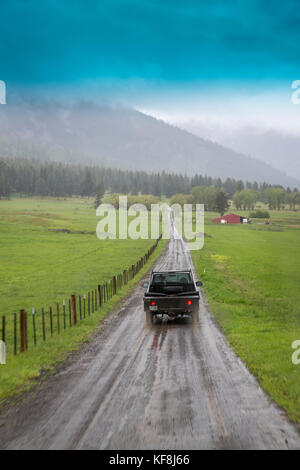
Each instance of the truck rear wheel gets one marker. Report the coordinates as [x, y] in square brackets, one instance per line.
[195, 318]
[149, 318]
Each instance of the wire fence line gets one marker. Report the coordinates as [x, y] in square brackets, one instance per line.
[24, 330]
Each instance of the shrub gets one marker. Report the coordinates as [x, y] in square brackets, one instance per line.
[259, 215]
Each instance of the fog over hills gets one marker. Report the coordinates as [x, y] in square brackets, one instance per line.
[278, 148]
[123, 138]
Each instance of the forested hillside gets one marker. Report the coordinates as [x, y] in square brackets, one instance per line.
[123, 138]
[32, 177]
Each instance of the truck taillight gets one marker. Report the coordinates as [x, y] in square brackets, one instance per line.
[189, 302]
[153, 303]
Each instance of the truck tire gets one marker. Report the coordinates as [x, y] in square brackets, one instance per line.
[195, 318]
[149, 318]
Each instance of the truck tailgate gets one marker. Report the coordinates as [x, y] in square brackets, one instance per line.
[172, 303]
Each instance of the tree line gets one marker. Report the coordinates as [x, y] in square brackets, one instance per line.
[215, 199]
[36, 178]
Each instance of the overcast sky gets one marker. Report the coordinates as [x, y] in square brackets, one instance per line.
[226, 62]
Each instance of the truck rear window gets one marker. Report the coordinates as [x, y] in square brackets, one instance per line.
[164, 282]
[172, 278]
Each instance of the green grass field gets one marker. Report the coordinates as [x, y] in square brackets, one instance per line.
[40, 266]
[251, 277]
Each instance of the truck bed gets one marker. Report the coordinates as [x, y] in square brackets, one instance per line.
[183, 303]
[173, 293]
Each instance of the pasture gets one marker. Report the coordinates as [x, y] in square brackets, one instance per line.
[251, 277]
[49, 250]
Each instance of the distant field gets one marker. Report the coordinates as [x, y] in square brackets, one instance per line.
[40, 266]
[251, 277]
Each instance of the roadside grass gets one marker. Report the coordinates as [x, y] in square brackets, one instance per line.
[40, 267]
[251, 277]
[22, 371]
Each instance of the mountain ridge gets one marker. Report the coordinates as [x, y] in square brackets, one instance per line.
[122, 137]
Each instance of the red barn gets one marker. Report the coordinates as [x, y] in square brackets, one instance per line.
[231, 219]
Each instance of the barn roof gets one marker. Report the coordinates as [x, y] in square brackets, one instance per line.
[229, 216]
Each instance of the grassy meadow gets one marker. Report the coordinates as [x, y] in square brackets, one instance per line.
[251, 277]
[41, 266]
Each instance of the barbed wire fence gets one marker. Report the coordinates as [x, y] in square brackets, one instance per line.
[23, 330]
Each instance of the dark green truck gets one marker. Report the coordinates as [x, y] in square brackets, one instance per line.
[172, 293]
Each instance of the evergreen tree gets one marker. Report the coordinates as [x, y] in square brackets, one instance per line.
[240, 185]
[87, 187]
[99, 194]
[221, 202]
[5, 186]
[33, 177]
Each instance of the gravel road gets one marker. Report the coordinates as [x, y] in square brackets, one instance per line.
[173, 385]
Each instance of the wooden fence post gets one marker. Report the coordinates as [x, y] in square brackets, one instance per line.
[33, 326]
[58, 318]
[74, 309]
[22, 331]
[64, 313]
[3, 329]
[80, 314]
[99, 296]
[51, 321]
[15, 334]
[43, 324]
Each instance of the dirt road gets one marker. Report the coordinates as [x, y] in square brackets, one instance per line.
[173, 386]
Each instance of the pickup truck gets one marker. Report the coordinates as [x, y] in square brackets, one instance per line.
[172, 293]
